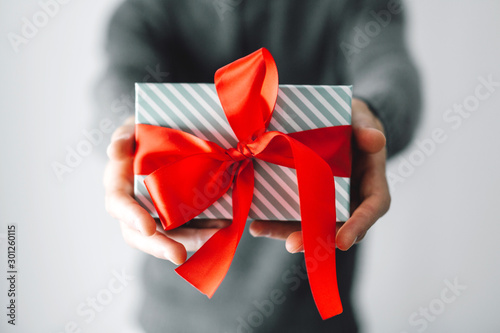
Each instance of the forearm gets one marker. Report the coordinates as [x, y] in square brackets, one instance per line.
[133, 54]
[382, 72]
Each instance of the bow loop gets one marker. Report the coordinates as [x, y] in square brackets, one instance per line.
[241, 152]
[248, 89]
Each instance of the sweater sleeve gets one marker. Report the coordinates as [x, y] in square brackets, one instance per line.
[133, 54]
[381, 70]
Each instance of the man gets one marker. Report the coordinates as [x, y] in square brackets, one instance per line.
[313, 42]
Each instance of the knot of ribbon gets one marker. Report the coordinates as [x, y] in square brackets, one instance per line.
[240, 153]
[179, 166]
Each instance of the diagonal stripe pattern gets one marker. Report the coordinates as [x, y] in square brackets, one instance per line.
[195, 109]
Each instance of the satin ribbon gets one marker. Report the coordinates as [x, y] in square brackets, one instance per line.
[186, 175]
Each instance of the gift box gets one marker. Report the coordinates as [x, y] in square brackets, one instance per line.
[196, 109]
[247, 147]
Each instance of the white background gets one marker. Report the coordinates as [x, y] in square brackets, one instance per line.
[443, 223]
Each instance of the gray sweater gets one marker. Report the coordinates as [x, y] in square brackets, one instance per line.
[313, 42]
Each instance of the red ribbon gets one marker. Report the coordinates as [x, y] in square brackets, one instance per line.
[180, 166]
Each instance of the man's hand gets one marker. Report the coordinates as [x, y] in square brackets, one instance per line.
[370, 197]
[139, 229]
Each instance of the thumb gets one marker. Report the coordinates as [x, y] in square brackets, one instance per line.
[369, 140]
[367, 129]
[122, 142]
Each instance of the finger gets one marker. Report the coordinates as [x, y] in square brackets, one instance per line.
[192, 239]
[157, 245]
[369, 140]
[123, 207]
[207, 223]
[369, 211]
[122, 143]
[273, 229]
[118, 176]
[368, 131]
[295, 242]
[119, 201]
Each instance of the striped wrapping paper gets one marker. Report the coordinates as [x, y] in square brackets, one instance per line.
[195, 109]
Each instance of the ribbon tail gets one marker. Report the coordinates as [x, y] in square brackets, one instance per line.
[208, 266]
[317, 208]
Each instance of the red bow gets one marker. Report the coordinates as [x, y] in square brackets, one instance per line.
[177, 163]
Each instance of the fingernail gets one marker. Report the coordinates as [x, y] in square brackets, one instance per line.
[138, 226]
[294, 250]
[254, 233]
[260, 232]
[123, 136]
[109, 150]
[354, 242]
[336, 245]
[166, 255]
